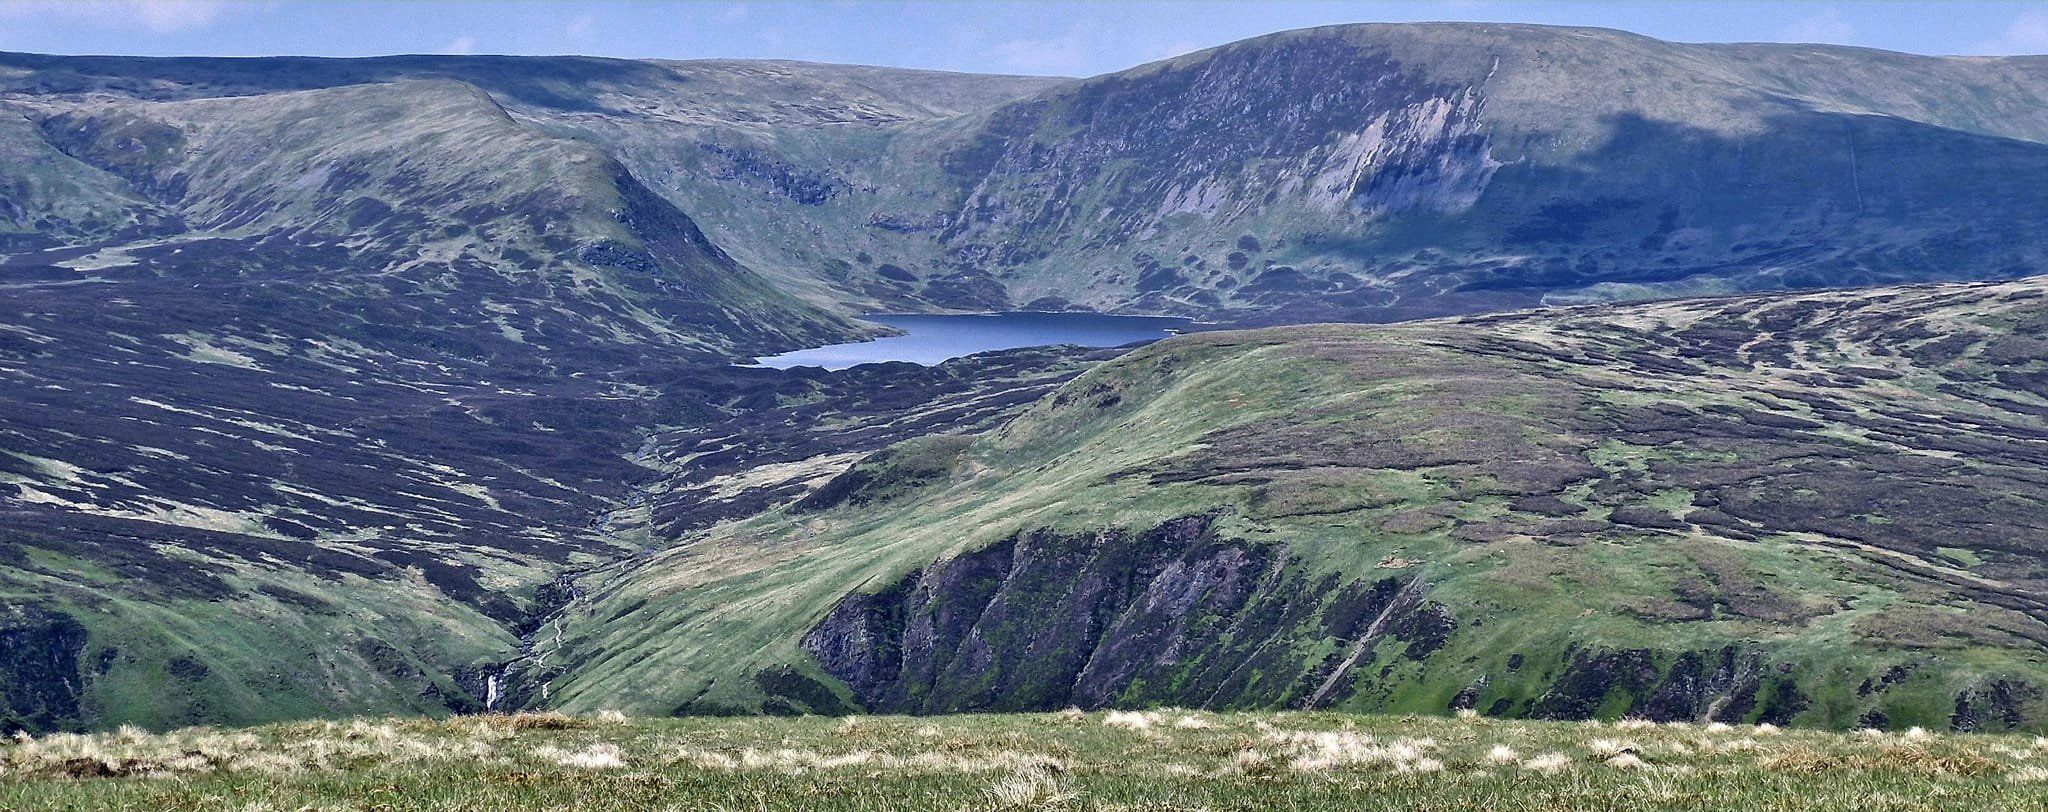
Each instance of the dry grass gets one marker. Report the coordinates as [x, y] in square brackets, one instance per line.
[1118, 760]
[1035, 787]
[520, 722]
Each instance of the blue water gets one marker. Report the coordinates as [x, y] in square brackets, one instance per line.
[931, 339]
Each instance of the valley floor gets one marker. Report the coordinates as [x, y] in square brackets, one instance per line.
[1167, 760]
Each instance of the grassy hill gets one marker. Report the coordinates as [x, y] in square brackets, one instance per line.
[1811, 509]
[1068, 760]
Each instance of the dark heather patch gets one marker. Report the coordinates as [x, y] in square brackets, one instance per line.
[187, 669]
[793, 691]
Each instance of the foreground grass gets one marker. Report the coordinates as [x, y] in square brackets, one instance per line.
[1157, 761]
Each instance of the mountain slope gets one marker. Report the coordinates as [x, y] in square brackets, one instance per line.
[1364, 172]
[1381, 171]
[724, 139]
[1814, 509]
[323, 387]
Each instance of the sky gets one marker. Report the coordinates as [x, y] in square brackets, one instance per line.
[1053, 37]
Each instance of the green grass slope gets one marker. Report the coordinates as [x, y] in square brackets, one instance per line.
[48, 198]
[1171, 760]
[1816, 509]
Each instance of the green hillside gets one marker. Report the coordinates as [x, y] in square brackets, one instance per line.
[1816, 509]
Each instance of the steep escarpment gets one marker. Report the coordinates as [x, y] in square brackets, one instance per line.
[39, 670]
[1044, 621]
[1802, 509]
[1379, 172]
[1178, 617]
[1320, 122]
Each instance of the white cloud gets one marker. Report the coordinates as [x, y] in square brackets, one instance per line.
[1063, 55]
[158, 16]
[1827, 26]
[2027, 34]
[964, 36]
[460, 45]
[176, 15]
[583, 29]
[734, 13]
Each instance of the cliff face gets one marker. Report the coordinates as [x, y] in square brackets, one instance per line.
[1376, 172]
[1172, 615]
[40, 678]
[1318, 124]
[1176, 616]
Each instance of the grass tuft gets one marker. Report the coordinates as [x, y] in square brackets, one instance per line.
[1029, 788]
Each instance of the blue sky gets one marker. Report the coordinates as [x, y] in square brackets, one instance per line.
[1065, 38]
